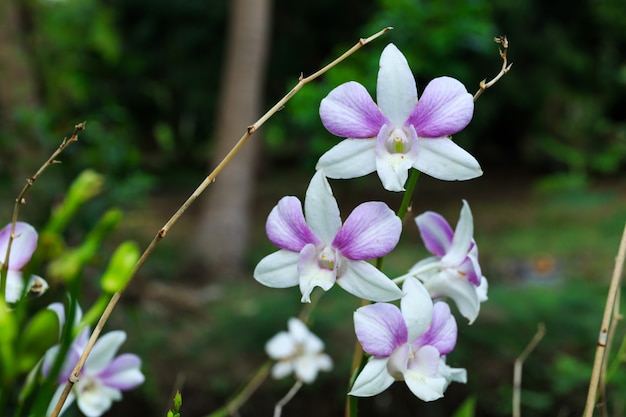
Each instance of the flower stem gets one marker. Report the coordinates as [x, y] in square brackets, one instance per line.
[238, 400]
[405, 206]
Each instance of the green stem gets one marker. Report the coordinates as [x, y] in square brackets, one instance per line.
[358, 357]
[408, 194]
[238, 400]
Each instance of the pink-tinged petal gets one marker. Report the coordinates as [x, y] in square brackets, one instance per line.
[451, 284]
[123, 372]
[278, 269]
[396, 92]
[104, 350]
[312, 274]
[365, 281]
[380, 328]
[392, 166]
[471, 268]
[350, 158]
[372, 230]
[321, 209]
[373, 379]
[442, 332]
[286, 227]
[443, 159]
[444, 108]
[435, 231]
[23, 246]
[462, 240]
[417, 307]
[398, 361]
[349, 112]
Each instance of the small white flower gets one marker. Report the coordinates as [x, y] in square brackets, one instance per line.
[298, 351]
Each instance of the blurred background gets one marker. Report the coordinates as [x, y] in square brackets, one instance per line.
[168, 87]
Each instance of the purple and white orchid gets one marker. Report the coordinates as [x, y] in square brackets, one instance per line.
[454, 270]
[319, 251]
[407, 344]
[400, 132]
[298, 351]
[103, 377]
[22, 249]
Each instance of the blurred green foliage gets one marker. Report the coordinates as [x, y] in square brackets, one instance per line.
[145, 75]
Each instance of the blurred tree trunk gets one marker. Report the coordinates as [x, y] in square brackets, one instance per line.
[18, 86]
[222, 235]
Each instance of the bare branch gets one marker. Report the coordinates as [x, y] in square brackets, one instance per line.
[604, 328]
[483, 85]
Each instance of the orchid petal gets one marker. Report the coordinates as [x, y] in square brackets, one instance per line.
[435, 231]
[307, 367]
[348, 111]
[366, 281]
[444, 108]
[104, 350]
[380, 328]
[417, 308]
[443, 159]
[95, 399]
[14, 286]
[462, 240]
[278, 269]
[424, 387]
[321, 209]
[350, 158]
[452, 374]
[451, 284]
[399, 360]
[123, 372]
[22, 247]
[470, 267]
[282, 345]
[373, 379]
[393, 167]
[396, 92]
[481, 290]
[421, 376]
[372, 230]
[442, 332]
[312, 275]
[282, 369]
[302, 335]
[286, 227]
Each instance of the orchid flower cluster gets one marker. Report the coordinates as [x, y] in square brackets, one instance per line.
[47, 357]
[407, 342]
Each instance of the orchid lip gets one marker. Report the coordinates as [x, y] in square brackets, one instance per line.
[398, 141]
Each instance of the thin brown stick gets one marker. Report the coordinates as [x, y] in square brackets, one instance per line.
[199, 190]
[517, 369]
[21, 198]
[604, 328]
[483, 85]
